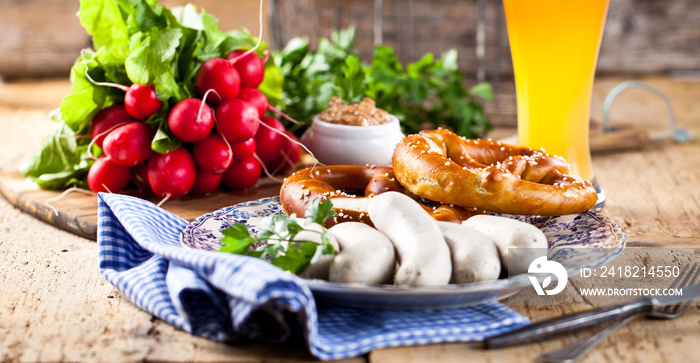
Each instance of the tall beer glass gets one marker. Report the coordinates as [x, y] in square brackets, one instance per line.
[554, 46]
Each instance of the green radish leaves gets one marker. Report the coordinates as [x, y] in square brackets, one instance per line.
[163, 142]
[61, 162]
[135, 41]
[151, 54]
[86, 99]
[104, 22]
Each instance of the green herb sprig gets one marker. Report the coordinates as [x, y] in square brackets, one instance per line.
[428, 93]
[280, 232]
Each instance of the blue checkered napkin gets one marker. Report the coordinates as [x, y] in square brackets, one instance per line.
[223, 296]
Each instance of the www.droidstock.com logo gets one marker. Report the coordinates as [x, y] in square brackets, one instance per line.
[543, 266]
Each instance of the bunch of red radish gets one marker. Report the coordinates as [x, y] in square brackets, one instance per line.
[226, 137]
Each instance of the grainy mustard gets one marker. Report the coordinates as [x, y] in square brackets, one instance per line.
[363, 113]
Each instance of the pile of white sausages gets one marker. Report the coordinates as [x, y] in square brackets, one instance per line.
[408, 247]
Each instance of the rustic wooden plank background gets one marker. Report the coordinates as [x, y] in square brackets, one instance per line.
[641, 36]
[40, 38]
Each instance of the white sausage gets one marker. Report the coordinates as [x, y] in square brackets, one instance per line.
[474, 255]
[320, 269]
[526, 242]
[424, 258]
[366, 255]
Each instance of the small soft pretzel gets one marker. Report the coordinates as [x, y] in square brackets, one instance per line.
[441, 166]
[349, 188]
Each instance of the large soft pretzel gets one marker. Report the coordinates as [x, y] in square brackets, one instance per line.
[441, 166]
[349, 187]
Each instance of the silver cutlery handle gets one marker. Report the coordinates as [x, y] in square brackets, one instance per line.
[575, 351]
[565, 324]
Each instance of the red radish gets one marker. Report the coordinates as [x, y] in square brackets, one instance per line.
[141, 101]
[255, 98]
[172, 175]
[140, 178]
[107, 119]
[237, 120]
[259, 100]
[249, 63]
[130, 144]
[221, 76]
[205, 183]
[243, 150]
[269, 139]
[191, 120]
[213, 154]
[106, 176]
[288, 157]
[250, 67]
[243, 174]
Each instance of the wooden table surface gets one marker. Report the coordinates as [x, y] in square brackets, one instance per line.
[55, 305]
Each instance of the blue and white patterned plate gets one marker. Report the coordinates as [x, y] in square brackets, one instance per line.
[588, 239]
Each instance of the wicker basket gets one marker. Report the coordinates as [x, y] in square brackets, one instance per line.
[476, 28]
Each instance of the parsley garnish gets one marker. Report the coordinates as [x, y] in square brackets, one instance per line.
[428, 93]
[280, 231]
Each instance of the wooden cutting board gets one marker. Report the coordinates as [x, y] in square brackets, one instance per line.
[76, 212]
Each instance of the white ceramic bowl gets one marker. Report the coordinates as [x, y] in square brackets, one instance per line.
[334, 144]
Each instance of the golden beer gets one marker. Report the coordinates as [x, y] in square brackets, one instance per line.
[554, 46]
